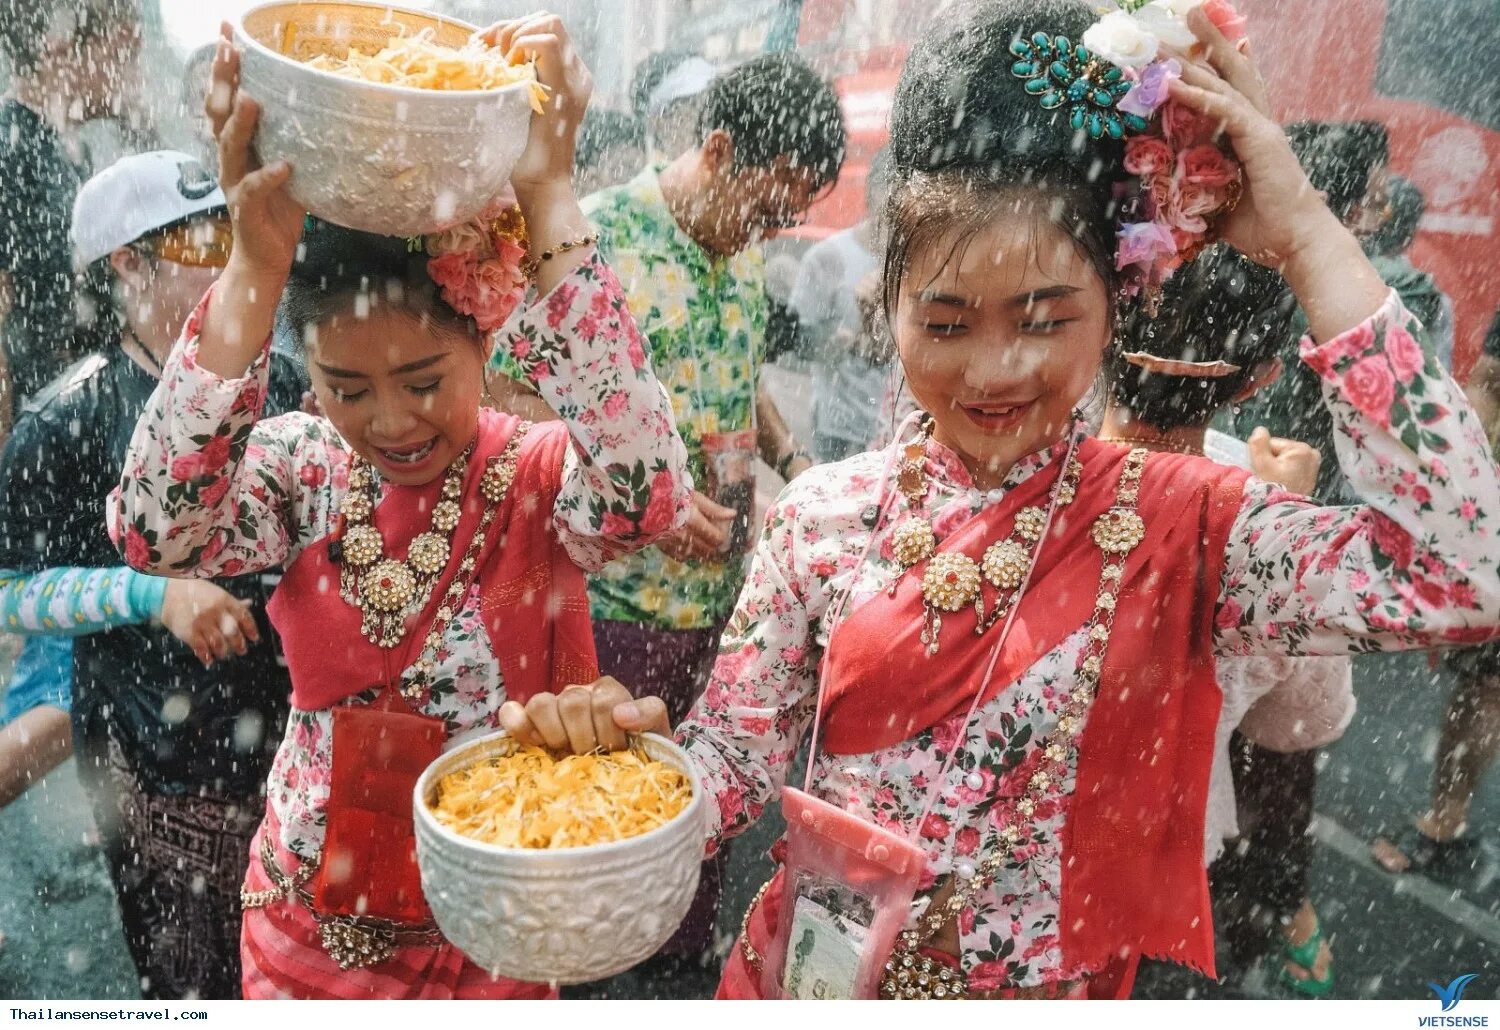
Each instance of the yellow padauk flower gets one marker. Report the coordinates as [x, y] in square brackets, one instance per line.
[654, 599]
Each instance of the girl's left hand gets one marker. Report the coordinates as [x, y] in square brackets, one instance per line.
[541, 38]
[1279, 212]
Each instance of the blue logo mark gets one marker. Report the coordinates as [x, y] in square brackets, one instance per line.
[1451, 995]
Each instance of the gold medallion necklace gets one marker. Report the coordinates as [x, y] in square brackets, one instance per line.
[952, 580]
[386, 590]
[909, 973]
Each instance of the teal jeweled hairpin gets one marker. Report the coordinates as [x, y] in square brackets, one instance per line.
[1061, 73]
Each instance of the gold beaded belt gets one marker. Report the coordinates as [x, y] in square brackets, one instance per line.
[354, 942]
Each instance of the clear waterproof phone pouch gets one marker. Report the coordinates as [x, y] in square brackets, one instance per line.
[849, 888]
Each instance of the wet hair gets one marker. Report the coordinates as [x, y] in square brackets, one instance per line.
[776, 106]
[602, 130]
[339, 269]
[968, 142]
[26, 24]
[1219, 307]
[1405, 215]
[1339, 158]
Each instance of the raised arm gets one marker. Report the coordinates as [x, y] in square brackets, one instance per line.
[208, 488]
[1416, 565]
[625, 481]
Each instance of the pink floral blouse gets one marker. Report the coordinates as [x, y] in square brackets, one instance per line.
[212, 489]
[1415, 565]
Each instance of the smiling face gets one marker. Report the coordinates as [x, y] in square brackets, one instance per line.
[1001, 330]
[401, 389]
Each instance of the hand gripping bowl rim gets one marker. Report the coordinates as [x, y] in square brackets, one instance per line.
[243, 38]
[422, 812]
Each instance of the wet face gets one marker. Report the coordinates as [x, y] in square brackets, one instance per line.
[103, 70]
[169, 297]
[403, 394]
[1001, 332]
[161, 285]
[748, 204]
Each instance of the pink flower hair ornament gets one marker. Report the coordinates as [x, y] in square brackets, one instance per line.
[1183, 179]
[479, 265]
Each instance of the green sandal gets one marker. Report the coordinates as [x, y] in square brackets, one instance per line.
[1306, 956]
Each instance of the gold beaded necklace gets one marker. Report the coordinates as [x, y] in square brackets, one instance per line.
[953, 580]
[388, 590]
[910, 974]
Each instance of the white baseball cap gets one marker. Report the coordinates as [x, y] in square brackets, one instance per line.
[686, 80]
[137, 195]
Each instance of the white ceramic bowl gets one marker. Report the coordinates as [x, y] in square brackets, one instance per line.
[562, 916]
[385, 159]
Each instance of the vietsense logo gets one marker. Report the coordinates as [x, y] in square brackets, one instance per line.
[1449, 997]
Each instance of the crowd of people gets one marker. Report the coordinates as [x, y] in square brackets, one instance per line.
[238, 542]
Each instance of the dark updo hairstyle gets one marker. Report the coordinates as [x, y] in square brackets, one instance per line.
[968, 141]
[342, 273]
[1220, 307]
[1339, 158]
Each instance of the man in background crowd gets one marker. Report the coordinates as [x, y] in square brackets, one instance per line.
[1388, 223]
[70, 61]
[851, 366]
[665, 94]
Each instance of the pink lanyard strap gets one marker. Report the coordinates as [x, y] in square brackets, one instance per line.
[837, 613]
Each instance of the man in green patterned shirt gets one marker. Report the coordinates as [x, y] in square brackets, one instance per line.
[681, 237]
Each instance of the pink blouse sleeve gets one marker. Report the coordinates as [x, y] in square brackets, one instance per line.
[210, 489]
[1415, 565]
[745, 730]
[625, 480]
